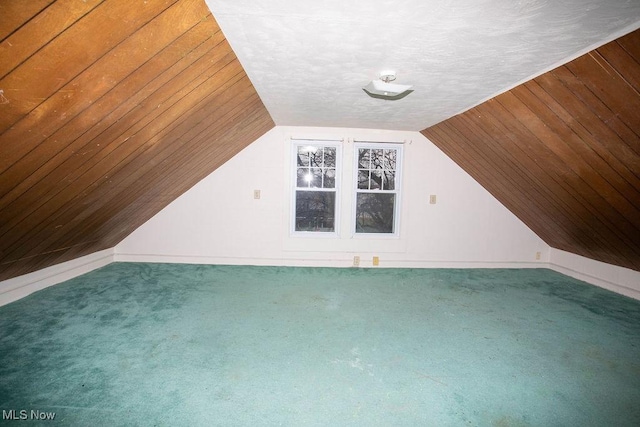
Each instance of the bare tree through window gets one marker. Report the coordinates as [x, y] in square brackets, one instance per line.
[376, 192]
[315, 194]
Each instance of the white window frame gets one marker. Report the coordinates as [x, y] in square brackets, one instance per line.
[397, 191]
[294, 187]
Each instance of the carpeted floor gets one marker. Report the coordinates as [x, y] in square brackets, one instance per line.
[167, 344]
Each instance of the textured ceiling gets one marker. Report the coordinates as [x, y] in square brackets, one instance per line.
[308, 60]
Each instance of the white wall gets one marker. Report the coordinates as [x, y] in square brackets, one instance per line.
[219, 221]
[618, 279]
[21, 286]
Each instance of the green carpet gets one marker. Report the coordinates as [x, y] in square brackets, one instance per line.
[194, 345]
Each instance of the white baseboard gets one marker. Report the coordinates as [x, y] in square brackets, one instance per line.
[345, 261]
[617, 279]
[21, 286]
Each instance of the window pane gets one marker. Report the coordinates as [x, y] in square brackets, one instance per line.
[316, 178]
[303, 177]
[364, 156]
[363, 180]
[315, 158]
[329, 157]
[303, 156]
[390, 159]
[389, 182]
[374, 212]
[329, 180]
[315, 211]
[376, 180]
[377, 159]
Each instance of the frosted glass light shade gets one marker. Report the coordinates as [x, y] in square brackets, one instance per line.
[380, 88]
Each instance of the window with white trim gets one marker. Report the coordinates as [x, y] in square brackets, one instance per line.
[377, 192]
[316, 181]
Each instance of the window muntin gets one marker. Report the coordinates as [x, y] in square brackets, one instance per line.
[377, 188]
[316, 184]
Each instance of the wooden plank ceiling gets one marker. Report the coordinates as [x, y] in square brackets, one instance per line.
[109, 110]
[562, 152]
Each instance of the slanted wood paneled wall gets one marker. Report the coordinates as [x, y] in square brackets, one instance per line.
[109, 111]
[562, 152]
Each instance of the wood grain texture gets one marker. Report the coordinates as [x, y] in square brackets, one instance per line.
[43, 27]
[15, 13]
[115, 109]
[562, 152]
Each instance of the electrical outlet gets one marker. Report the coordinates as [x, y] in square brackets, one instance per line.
[538, 254]
[432, 199]
[376, 261]
[256, 194]
[356, 261]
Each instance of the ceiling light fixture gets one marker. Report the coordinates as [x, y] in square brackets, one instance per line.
[383, 89]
